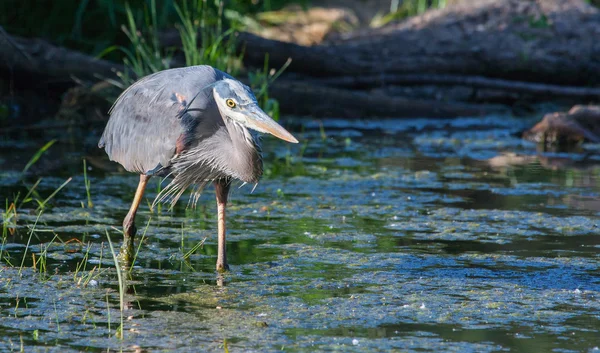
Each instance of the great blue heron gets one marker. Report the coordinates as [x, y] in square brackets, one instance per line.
[190, 124]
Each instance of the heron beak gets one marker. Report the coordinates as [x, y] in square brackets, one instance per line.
[257, 119]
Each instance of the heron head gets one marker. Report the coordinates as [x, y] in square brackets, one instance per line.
[237, 102]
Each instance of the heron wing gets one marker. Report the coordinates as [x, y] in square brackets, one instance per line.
[150, 121]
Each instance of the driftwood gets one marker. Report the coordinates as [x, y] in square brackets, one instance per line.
[581, 123]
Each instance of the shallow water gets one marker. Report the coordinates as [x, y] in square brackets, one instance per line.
[381, 235]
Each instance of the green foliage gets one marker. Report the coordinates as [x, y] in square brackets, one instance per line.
[9, 224]
[128, 31]
[37, 156]
[144, 56]
[119, 334]
[260, 81]
[10, 213]
[137, 251]
[88, 186]
[89, 26]
[204, 42]
[92, 26]
[147, 56]
[42, 204]
[217, 47]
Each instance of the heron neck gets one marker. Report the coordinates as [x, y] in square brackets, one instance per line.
[246, 153]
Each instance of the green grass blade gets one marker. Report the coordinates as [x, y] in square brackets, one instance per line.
[43, 203]
[121, 284]
[37, 155]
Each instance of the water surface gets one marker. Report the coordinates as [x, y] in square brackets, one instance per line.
[376, 235]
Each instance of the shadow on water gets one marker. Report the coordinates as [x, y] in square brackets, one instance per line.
[379, 235]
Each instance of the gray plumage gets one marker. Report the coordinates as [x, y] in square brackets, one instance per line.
[190, 124]
[170, 124]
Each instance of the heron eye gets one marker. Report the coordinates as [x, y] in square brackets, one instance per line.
[230, 103]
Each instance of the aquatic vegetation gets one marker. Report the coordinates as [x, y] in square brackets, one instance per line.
[141, 241]
[75, 24]
[9, 219]
[119, 333]
[204, 42]
[37, 156]
[88, 186]
[145, 56]
[31, 231]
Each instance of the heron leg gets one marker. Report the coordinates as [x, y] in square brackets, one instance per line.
[129, 229]
[222, 191]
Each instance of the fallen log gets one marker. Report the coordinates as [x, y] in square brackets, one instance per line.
[322, 101]
[43, 61]
[38, 58]
[543, 41]
[511, 48]
[531, 88]
[546, 41]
